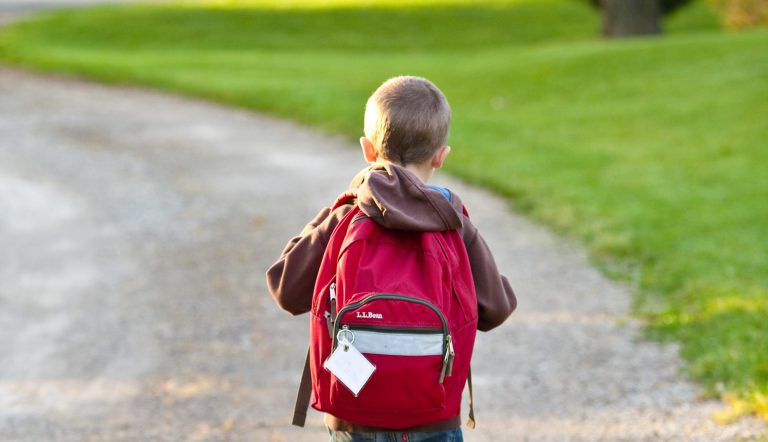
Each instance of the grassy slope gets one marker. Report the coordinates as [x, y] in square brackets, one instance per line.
[651, 151]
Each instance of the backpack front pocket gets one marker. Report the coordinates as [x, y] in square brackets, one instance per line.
[408, 341]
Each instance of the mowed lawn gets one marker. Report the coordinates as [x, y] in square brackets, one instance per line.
[652, 152]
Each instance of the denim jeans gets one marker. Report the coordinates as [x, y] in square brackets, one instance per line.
[453, 435]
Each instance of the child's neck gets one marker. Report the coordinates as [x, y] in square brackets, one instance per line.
[423, 171]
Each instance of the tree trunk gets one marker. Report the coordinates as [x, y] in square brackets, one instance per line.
[624, 18]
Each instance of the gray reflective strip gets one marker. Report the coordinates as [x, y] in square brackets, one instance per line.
[400, 344]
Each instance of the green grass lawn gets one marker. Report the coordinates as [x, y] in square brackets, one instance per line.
[652, 152]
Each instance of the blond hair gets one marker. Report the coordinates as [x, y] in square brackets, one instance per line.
[407, 119]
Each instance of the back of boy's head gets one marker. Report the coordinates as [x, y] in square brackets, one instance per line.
[407, 120]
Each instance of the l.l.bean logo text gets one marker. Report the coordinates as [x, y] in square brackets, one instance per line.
[369, 315]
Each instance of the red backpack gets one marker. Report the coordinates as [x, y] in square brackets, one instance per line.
[406, 301]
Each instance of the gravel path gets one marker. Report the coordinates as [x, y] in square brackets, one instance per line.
[136, 227]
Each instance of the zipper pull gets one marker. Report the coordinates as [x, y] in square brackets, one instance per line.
[444, 369]
[447, 360]
[332, 313]
[329, 323]
[345, 337]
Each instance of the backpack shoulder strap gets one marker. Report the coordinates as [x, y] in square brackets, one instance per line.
[345, 198]
[471, 420]
[470, 400]
[304, 395]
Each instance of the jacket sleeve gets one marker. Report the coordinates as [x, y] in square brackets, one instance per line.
[495, 298]
[291, 280]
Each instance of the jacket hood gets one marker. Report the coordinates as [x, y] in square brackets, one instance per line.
[396, 198]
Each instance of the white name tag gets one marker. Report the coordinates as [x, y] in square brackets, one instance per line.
[349, 366]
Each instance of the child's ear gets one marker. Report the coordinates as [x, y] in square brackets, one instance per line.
[369, 152]
[439, 157]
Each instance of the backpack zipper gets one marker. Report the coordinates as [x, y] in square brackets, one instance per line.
[385, 329]
[330, 316]
[447, 352]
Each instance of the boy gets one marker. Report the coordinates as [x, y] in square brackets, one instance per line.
[406, 129]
